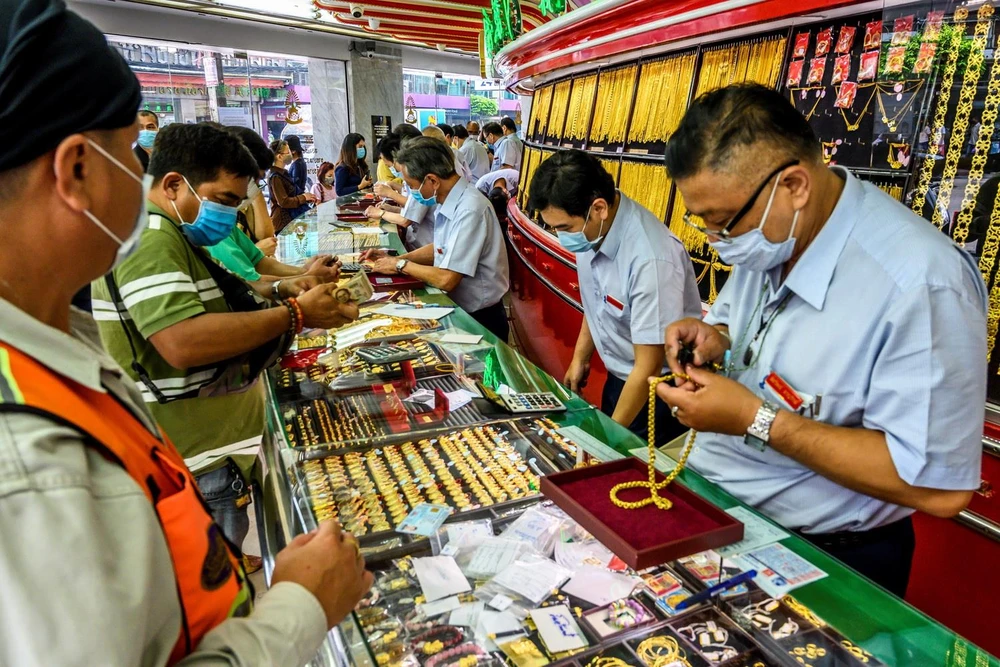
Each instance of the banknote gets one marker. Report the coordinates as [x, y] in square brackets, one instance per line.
[357, 290]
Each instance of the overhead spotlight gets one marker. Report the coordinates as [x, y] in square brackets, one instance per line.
[357, 11]
[374, 23]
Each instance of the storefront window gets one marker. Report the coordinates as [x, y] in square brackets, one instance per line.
[434, 97]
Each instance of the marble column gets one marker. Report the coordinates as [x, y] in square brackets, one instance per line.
[375, 88]
[328, 93]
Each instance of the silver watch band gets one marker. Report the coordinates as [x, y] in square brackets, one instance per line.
[759, 432]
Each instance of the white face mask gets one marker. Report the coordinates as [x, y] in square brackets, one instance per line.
[753, 250]
[129, 245]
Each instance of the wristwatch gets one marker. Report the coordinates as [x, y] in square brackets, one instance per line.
[275, 291]
[401, 264]
[759, 432]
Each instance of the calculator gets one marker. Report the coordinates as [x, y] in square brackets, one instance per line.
[386, 354]
[540, 401]
[351, 268]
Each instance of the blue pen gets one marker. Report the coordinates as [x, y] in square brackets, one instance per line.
[712, 591]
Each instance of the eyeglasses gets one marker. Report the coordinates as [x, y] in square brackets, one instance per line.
[723, 234]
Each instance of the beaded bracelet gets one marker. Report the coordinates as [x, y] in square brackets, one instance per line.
[437, 639]
[626, 613]
[468, 650]
[301, 322]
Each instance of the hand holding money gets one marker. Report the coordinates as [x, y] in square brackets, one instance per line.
[357, 290]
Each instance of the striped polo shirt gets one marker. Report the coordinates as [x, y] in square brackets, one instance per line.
[162, 283]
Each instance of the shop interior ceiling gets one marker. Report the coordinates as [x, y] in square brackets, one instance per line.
[446, 25]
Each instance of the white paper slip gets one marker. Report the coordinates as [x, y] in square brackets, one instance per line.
[413, 313]
[366, 230]
[558, 629]
[465, 339]
[757, 532]
[467, 615]
[492, 556]
[432, 609]
[599, 587]
[468, 532]
[574, 555]
[439, 577]
[458, 399]
[495, 623]
[533, 578]
[779, 570]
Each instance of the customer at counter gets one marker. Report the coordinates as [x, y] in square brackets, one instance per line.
[851, 332]
[351, 173]
[298, 170]
[149, 125]
[467, 257]
[635, 279]
[253, 218]
[108, 554]
[287, 202]
[188, 330]
[473, 152]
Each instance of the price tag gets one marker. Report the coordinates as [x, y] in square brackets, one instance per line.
[500, 602]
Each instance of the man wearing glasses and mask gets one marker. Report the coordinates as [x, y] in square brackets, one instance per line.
[850, 335]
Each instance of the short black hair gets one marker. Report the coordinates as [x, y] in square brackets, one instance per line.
[255, 144]
[294, 143]
[499, 198]
[448, 130]
[508, 123]
[492, 128]
[151, 114]
[200, 152]
[388, 146]
[406, 131]
[461, 132]
[722, 121]
[570, 180]
[422, 156]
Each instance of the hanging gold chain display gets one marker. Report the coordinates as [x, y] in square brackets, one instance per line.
[581, 103]
[647, 184]
[662, 98]
[542, 103]
[970, 84]
[557, 115]
[892, 122]
[812, 112]
[613, 167]
[941, 111]
[988, 118]
[853, 126]
[614, 99]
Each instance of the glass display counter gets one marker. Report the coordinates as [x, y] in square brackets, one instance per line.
[865, 624]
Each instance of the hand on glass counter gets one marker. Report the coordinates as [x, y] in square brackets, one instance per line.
[373, 254]
[321, 310]
[328, 563]
[576, 375]
[385, 266]
[325, 267]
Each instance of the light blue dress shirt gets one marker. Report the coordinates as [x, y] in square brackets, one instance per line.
[508, 151]
[643, 268]
[512, 176]
[467, 240]
[476, 157]
[885, 319]
[421, 229]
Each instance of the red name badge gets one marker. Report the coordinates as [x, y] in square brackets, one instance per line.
[783, 389]
[614, 302]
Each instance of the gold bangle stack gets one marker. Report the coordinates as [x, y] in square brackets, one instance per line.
[540, 112]
[967, 95]
[662, 98]
[581, 104]
[941, 111]
[557, 114]
[647, 183]
[614, 100]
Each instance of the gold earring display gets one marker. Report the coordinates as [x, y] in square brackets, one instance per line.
[654, 487]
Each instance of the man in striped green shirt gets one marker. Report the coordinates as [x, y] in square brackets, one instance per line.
[174, 315]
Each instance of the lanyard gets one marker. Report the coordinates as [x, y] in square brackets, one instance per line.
[745, 354]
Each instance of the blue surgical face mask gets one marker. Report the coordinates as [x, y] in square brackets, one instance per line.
[422, 200]
[129, 245]
[578, 241]
[492, 147]
[214, 223]
[146, 138]
[752, 250]
[395, 172]
[362, 152]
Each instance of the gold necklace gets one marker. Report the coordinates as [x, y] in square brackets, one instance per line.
[970, 84]
[812, 112]
[828, 147]
[893, 161]
[654, 487]
[986, 262]
[853, 127]
[891, 122]
[940, 113]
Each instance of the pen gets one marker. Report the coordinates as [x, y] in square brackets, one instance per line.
[510, 633]
[712, 591]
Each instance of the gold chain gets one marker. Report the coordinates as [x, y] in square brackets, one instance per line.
[614, 98]
[986, 261]
[812, 112]
[970, 84]
[894, 162]
[941, 111]
[891, 122]
[557, 116]
[979, 155]
[581, 103]
[646, 183]
[654, 497]
[662, 98]
[852, 127]
[540, 112]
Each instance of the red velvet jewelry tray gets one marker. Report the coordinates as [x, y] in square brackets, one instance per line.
[383, 283]
[646, 536]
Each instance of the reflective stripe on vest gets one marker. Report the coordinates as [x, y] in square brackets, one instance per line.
[210, 580]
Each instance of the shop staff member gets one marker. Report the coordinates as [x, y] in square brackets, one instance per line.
[856, 336]
[508, 147]
[139, 582]
[635, 279]
[174, 316]
[467, 258]
[501, 178]
[473, 152]
[149, 125]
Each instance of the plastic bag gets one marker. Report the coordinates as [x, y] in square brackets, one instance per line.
[487, 558]
[523, 585]
[453, 537]
[539, 526]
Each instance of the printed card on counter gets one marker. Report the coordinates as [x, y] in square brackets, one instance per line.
[424, 519]
[558, 629]
[779, 570]
[757, 532]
